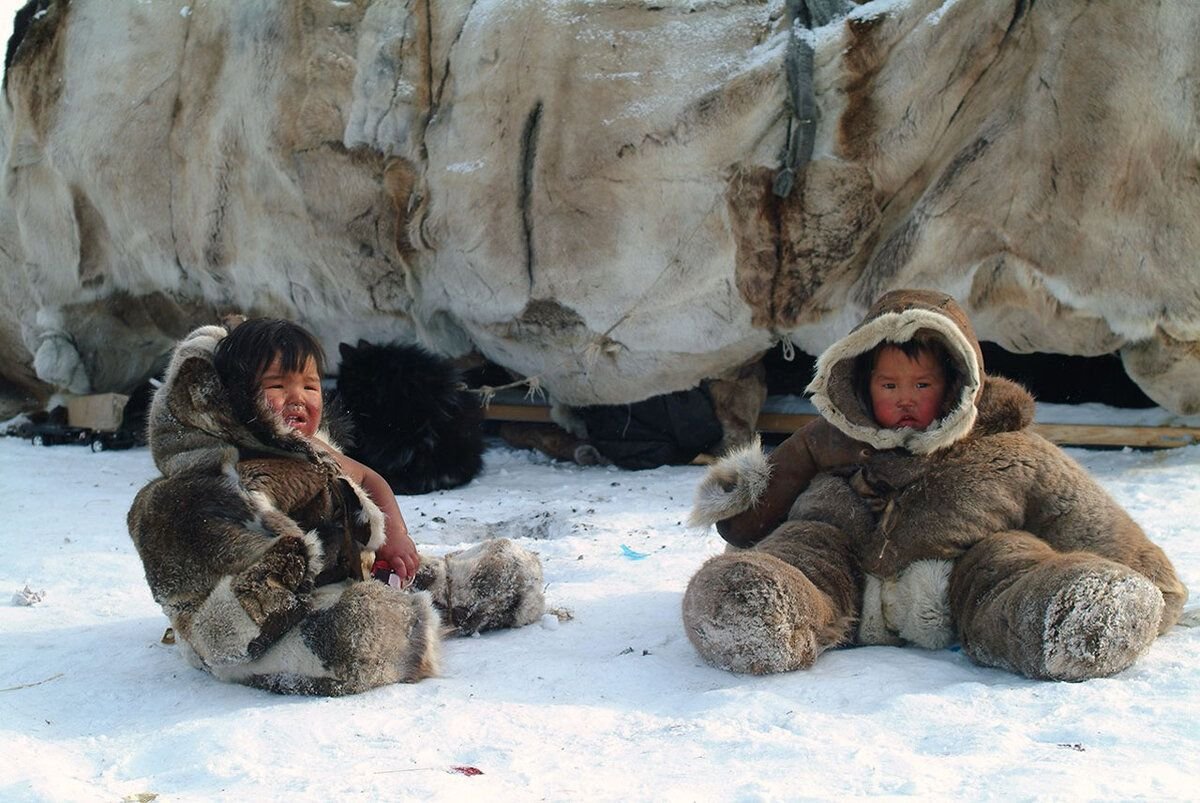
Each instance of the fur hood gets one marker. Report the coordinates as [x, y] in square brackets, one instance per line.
[192, 430]
[191, 423]
[896, 317]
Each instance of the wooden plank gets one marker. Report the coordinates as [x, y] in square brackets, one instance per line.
[539, 413]
[1110, 435]
[1063, 434]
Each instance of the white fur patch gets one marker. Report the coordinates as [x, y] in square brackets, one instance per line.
[912, 607]
[872, 629]
[372, 516]
[287, 656]
[732, 485]
[316, 553]
[260, 503]
[900, 327]
[916, 604]
[221, 629]
[322, 434]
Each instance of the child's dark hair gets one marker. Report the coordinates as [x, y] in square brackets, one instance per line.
[242, 357]
[923, 341]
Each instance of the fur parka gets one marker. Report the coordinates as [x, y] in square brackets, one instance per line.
[253, 542]
[975, 529]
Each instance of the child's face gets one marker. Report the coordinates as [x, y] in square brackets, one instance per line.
[295, 396]
[906, 392]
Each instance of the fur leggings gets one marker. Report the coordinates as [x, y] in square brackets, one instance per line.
[1012, 601]
[348, 637]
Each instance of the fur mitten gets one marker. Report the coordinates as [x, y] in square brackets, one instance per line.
[491, 585]
[733, 485]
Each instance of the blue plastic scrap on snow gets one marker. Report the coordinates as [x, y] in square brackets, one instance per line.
[629, 553]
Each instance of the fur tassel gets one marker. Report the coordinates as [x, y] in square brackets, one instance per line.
[911, 607]
[733, 484]
[916, 605]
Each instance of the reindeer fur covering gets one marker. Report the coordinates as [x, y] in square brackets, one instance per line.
[976, 530]
[252, 543]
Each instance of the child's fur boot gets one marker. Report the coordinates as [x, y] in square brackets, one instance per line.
[1059, 616]
[361, 635]
[752, 612]
[491, 585]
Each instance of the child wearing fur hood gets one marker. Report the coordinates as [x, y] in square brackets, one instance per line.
[920, 508]
[255, 537]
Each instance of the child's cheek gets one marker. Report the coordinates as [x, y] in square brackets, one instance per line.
[274, 404]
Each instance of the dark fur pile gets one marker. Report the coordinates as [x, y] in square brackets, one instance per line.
[413, 422]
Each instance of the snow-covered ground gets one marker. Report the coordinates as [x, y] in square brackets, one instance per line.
[611, 705]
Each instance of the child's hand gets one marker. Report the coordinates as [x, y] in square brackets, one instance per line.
[399, 550]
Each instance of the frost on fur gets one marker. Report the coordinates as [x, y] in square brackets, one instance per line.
[491, 585]
[1099, 625]
[751, 612]
[732, 485]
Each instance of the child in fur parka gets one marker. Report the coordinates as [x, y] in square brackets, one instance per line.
[255, 538]
[873, 526]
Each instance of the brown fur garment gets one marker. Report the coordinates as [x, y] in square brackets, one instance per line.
[236, 551]
[1002, 477]
[976, 529]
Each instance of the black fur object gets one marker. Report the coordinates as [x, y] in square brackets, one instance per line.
[413, 422]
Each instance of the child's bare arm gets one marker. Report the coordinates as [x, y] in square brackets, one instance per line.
[398, 549]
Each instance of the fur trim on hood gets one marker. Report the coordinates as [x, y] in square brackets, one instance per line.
[896, 317]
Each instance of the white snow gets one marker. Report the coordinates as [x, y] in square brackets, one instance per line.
[610, 704]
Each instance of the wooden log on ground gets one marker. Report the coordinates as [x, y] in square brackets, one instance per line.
[1140, 437]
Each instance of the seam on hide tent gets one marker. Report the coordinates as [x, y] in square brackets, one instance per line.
[1022, 6]
[529, 138]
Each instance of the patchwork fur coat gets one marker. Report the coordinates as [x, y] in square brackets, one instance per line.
[976, 529]
[254, 544]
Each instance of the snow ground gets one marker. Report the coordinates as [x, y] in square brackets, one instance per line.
[612, 705]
